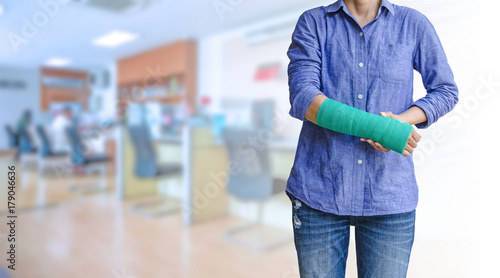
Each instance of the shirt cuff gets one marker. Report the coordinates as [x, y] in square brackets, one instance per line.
[302, 102]
[428, 110]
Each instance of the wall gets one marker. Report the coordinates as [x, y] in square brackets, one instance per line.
[228, 62]
[14, 102]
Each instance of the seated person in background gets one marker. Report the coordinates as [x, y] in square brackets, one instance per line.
[25, 120]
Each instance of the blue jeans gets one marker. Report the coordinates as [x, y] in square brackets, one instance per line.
[383, 243]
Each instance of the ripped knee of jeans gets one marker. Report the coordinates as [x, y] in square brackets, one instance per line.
[298, 204]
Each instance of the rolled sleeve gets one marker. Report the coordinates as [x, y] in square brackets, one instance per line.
[304, 68]
[431, 62]
[429, 111]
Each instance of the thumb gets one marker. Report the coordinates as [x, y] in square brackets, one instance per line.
[387, 114]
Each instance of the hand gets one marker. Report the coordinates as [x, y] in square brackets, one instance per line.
[411, 144]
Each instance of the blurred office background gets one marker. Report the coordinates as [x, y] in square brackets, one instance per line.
[152, 139]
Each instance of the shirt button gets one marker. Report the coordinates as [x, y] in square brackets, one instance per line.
[360, 65]
[360, 96]
[360, 162]
[360, 34]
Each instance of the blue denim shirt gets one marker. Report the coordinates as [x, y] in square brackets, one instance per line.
[369, 68]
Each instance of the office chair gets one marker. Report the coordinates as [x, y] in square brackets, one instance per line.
[47, 157]
[146, 166]
[26, 144]
[12, 137]
[252, 181]
[27, 153]
[79, 158]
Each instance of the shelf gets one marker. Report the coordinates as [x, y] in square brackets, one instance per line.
[49, 94]
[165, 75]
[171, 99]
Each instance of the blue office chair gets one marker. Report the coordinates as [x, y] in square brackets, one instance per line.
[46, 159]
[253, 180]
[79, 158]
[146, 166]
[26, 144]
[26, 151]
[27, 154]
[12, 137]
[45, 148]
[46, 155]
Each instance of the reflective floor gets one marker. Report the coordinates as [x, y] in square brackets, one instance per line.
[68, 234]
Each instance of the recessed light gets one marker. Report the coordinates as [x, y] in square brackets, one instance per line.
[57, 62]
[114, 39]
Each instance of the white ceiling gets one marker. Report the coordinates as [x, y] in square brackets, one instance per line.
[73, 26]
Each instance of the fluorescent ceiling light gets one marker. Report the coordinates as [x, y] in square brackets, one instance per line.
[57, 62]
[114, 39]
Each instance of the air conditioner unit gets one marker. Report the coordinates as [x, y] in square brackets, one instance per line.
[277, 31]
[117, 6]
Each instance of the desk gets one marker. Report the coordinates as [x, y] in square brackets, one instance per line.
[202, 186]
[170, 139]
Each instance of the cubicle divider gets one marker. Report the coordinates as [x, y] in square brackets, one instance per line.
[205, 176]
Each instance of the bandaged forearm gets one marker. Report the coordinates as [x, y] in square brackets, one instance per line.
[391, 133]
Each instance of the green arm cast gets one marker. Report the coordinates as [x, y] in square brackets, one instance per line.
[342, 118]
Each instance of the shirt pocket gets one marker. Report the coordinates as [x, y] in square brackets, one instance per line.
[395, 63]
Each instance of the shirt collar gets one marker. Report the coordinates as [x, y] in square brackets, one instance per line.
[340, 4]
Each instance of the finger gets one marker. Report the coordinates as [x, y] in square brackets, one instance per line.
[416, 136]
[387, 114]
[371, 143]
[381, 147]
[362, 139]
[374, 145]
[406, 153]
[412, 142]
[409, 148]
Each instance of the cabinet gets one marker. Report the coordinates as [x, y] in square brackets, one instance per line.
[58, 85]
[165, 75]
